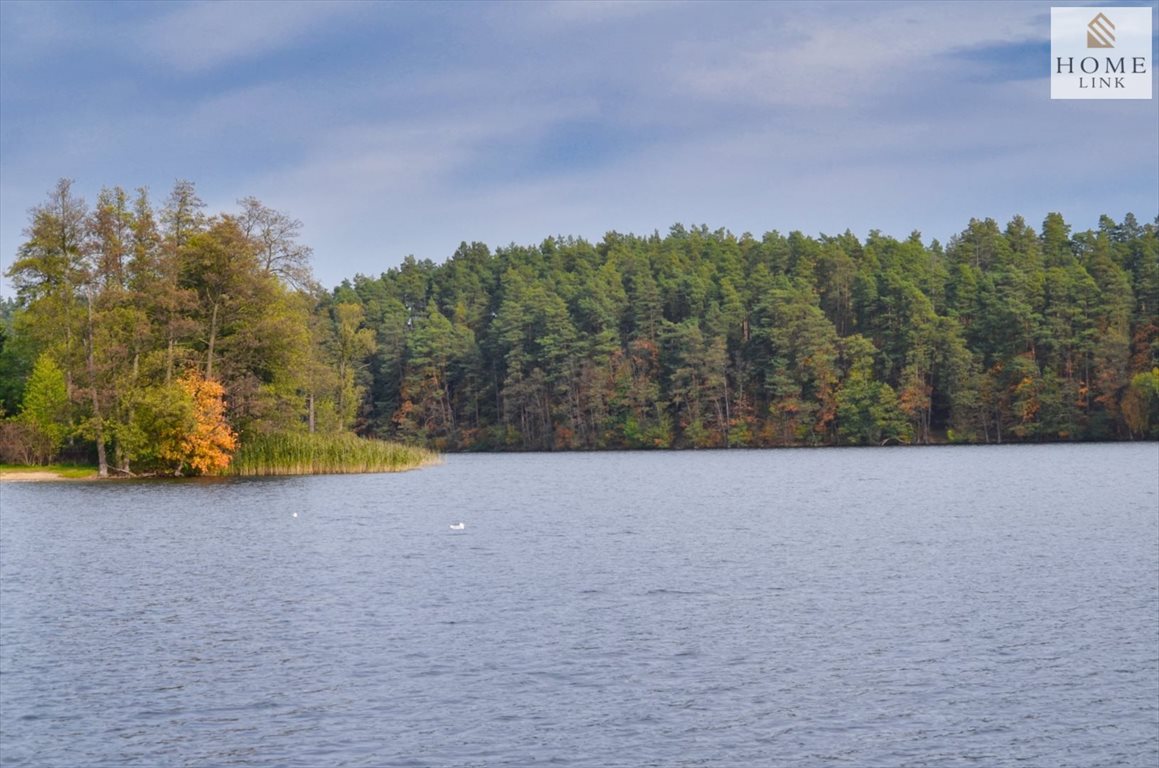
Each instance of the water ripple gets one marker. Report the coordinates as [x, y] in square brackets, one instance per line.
[950, 607]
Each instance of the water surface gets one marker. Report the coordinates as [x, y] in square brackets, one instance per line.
[992, 606]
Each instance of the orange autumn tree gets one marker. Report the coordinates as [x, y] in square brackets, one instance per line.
[207, 442]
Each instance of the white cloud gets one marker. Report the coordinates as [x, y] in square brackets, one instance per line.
[748, 116]
[812, 56]
[203, 36]
[572, 13]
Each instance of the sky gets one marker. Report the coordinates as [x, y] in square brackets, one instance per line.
[391, 129]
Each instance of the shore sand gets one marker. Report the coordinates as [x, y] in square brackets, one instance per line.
[32, 476]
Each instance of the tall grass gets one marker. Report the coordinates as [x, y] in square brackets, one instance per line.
[302, 454]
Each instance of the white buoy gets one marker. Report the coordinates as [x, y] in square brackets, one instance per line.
[295, 514]
[458, 526]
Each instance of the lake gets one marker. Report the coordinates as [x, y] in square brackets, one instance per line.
[991, 605]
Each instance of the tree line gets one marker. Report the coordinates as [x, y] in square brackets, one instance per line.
[701, 338]
[693, 339]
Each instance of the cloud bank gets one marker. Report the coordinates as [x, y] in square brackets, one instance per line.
[395, 129]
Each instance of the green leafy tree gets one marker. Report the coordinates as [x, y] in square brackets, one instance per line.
[867, 410]
[46, 408]
[1141, 404]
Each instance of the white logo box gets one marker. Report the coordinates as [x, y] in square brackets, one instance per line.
[1100, 52]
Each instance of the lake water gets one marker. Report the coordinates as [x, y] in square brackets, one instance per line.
[988, 606]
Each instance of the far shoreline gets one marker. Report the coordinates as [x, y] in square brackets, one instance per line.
[73, 474]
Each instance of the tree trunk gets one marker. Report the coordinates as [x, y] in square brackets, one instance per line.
[212, 340]
[727, 414]
[102, 459]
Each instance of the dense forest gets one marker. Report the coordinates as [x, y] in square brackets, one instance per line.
[703, 339]
[171, 335]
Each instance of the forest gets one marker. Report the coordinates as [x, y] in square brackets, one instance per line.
[159, 336]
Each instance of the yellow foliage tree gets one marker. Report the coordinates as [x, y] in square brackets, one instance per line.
[208, 443]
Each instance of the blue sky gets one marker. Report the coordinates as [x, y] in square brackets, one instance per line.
[394, 129]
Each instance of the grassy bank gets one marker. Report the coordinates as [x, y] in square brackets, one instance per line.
[324, 455]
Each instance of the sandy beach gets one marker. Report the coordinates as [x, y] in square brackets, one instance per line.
[33, 476]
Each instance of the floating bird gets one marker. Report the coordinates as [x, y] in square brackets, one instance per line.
[458, 526]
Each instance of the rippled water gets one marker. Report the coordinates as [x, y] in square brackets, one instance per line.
[990, 606]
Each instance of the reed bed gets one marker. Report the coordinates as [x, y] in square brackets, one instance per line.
[293, 454]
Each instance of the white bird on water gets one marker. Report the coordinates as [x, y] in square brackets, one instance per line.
[458, 526]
